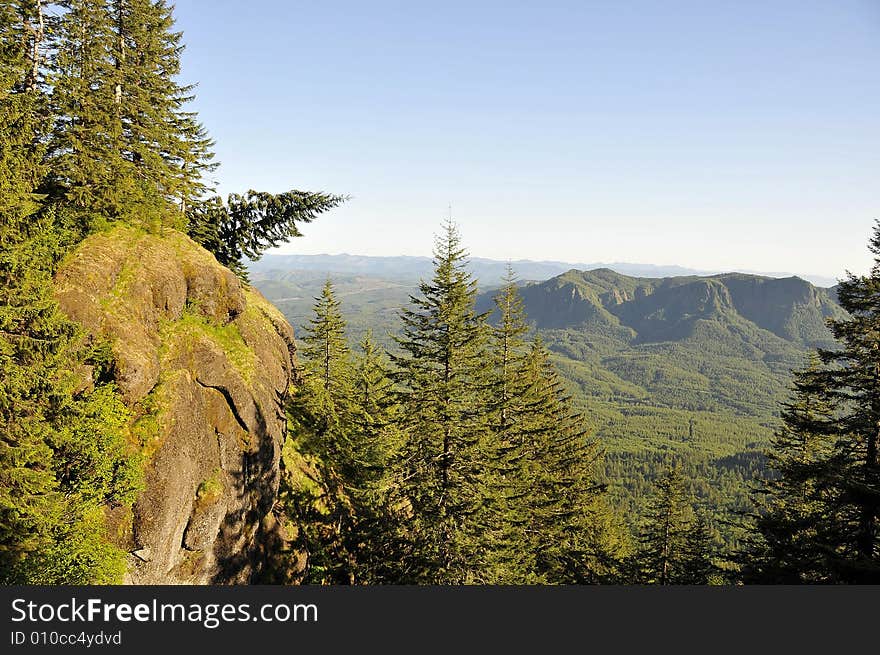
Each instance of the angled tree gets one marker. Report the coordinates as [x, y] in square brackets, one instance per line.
[245, 226]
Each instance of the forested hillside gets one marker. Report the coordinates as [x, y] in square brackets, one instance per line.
[684, 369]
[160, 422]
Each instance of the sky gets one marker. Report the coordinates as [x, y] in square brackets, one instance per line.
[712, 134]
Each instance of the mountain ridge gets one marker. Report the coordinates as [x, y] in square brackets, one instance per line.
[670, 308]
[489, 271]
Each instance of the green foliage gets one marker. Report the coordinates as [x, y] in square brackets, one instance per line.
[64, 452]
[78, 552]
[123, 146]
[245, 226]
[510, 550]
[818, 516]
[473, 467]
[570, 527]
[93, 130]
[441, 370]
[662, 539]
[707, 401]
[342, 416]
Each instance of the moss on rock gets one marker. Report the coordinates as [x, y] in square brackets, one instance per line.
[203, 363]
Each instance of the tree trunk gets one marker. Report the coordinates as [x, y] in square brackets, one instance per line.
[38, 32]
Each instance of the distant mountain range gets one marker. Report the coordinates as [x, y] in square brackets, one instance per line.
[488, 271]
[651, 310]
[718, 343]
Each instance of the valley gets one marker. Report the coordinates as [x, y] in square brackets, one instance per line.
[685, 370]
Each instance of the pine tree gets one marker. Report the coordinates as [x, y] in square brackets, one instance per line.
[370, 481]
[321, 422]
[246, 226]
[32, 334]
[697, 566]
[510, 555]
[784, 545]
[851, 383]
[572, 532]
[23, 107]
[169, 150]
[124, 147]
[825, 504]
[663, 535]
[63, 453]
[441, 369]
[88, 165]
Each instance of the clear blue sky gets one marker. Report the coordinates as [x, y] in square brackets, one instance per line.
[712, 134]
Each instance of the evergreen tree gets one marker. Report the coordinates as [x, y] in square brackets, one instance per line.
[370, 480]
[321, 422]
[168, 148]
[819, 523]
[345, 414]
[23, 107]
[442, 372]
[63, 453]
[784, 545]
[572, 533]
[123, 145]
[248, 225]
[87, 159]
[697, 566]
[510, 555]
[851, 383]
[664, 534]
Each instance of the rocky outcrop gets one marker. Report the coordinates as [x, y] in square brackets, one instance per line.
[204, 363]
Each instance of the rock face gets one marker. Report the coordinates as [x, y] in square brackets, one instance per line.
[204, 362]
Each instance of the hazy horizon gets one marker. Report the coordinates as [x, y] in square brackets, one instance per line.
[816, 279]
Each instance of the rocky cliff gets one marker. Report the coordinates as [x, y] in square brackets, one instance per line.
[204, 363]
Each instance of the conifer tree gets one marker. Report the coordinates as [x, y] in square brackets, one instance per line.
[169, 150]
[23, 110]
[321, 422]
[784, 544]
[88, 165]
[663, 535]
[572, 533]
[370, 479]
[510, 555]
[63, 453]
[31, 333]
[821, 521]
[697, 566]
[246, 226]
[441, 370]
[123, 145]
[851, 384]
